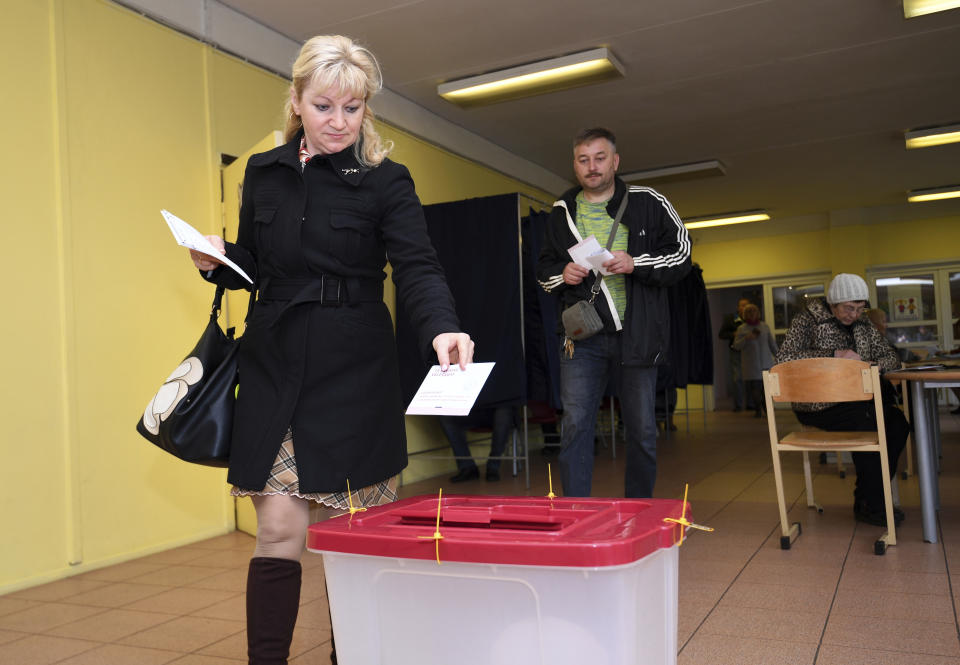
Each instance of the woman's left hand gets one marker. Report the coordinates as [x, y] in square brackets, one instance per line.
[453, 348]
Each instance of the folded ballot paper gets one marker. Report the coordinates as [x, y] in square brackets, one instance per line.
[189, 237]
[449, 393]
[589, 254]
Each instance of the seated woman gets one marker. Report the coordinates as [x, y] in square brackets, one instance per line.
[836, 327]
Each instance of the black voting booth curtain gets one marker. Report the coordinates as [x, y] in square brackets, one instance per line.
[478, 246]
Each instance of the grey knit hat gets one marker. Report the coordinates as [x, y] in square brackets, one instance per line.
[846, 288]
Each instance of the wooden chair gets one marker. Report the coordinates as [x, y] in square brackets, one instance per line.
[825, 380]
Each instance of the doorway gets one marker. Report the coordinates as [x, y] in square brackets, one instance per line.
[723, 306]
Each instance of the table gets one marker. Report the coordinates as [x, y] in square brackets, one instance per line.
[926, 436]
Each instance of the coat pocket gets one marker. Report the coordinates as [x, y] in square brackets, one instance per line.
[263, 227]
[352, 237]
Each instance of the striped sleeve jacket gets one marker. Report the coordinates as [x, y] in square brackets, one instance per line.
[660, 247]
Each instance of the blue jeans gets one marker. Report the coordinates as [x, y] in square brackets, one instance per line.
[583, 380]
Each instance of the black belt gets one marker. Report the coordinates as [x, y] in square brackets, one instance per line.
[328, 290]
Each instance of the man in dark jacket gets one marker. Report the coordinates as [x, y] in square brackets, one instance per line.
[650, 252]
[728, 330]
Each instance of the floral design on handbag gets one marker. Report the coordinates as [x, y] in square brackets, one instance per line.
[171, 393]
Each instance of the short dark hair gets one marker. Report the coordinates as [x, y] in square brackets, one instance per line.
[587, 135]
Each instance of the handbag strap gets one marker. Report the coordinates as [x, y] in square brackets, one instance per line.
[598, 282]
[218, 305]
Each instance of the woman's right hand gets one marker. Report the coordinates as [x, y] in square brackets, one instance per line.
[206, 262]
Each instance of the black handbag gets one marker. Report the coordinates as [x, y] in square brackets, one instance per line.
[191, 416]
[581, 320]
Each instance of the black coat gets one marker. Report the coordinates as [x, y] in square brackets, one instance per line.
[660, 247]
[318, 354]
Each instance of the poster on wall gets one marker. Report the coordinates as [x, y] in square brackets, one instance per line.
[905, 302]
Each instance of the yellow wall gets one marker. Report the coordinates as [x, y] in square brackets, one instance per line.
[934, 239]
[116, 117]
[33, 415]
[773, 255]
[847, 248]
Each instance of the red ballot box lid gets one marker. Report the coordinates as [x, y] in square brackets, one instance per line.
[584, 532]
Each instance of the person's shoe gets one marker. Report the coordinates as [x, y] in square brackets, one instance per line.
[863, 513]
[737, 409]
[463, 475]
[955, 411]
[493, 475]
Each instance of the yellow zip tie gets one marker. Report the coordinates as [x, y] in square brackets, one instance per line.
[437, 537]
[683, 518]
[350, 501]
[550, 494]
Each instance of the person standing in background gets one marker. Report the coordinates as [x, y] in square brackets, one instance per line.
[651, 251]
[728, 330]
[757, 349]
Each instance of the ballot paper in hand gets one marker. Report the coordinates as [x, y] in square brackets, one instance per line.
[589, 254]
[450, 393]
[189, 237]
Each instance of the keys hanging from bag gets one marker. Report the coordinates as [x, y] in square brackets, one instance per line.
[191, 416]
[581, 319]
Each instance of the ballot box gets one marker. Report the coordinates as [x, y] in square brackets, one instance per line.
[503, 579]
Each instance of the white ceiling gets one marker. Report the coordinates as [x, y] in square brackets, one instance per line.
[804, 101]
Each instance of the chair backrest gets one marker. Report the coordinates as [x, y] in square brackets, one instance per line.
[821, 380]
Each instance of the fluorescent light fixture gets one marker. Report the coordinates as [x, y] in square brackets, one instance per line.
[727, 218]
[706, 169]
[536, 78]
[912, 8]
[900, 281]
[931, 136]
[934, 194]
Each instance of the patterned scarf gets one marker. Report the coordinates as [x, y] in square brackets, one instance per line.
[305, 155]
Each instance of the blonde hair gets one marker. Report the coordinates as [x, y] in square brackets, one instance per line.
[334, 61]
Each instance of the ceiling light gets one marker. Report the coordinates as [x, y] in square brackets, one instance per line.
[535, 78]
[727, 218]
[691, 171]
[935, 194]
[931, 136]
[912, 8]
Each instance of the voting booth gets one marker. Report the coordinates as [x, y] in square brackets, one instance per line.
[476, 580]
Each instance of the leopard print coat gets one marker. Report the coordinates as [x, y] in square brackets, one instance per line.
[817, 333]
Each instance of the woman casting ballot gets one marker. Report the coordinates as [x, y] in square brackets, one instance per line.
[319, 402]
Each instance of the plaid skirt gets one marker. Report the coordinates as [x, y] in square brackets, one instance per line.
[284, 480]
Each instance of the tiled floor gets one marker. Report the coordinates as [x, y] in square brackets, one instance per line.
[827, 601]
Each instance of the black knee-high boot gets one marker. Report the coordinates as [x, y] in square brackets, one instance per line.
[273, 598]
